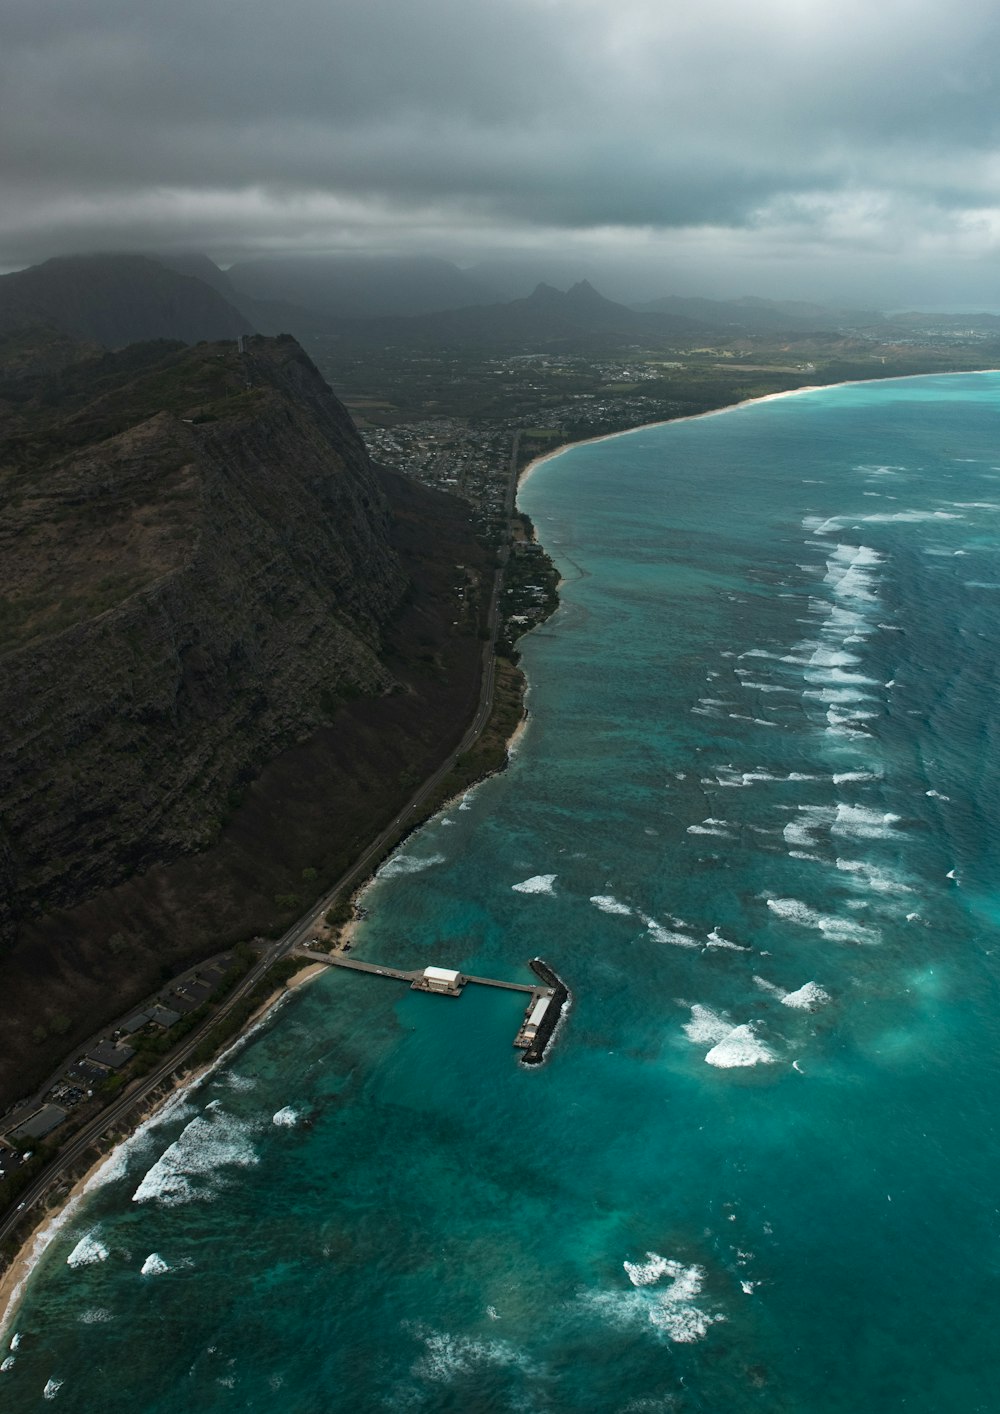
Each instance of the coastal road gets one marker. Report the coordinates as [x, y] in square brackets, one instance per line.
[139, 1092]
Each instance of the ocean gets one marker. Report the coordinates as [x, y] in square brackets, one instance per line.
[753, 824]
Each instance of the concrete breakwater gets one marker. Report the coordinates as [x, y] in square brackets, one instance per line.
[558, 1004]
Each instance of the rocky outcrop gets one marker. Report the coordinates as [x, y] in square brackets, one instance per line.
[183, 599]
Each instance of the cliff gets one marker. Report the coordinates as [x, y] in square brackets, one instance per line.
[205, 587]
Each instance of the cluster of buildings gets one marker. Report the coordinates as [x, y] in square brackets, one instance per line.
[94, 1065]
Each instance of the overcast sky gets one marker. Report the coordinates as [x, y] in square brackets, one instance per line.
[773, 147]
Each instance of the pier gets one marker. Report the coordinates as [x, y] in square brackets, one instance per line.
[546, 998]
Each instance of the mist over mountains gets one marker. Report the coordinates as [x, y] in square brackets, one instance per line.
[117, 299]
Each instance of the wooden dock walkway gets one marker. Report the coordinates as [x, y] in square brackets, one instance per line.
[356, 965]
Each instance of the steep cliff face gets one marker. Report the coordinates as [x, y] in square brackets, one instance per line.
[184, 596]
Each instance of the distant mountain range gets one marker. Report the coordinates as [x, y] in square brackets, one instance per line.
[115, 300]
[762, 316]
[360, 286]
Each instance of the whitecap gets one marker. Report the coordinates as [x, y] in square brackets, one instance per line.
[861, 823]
[207, 1144]
[671, 1309]
[801, 832]
[52, 1388]
[449, 1357]
[874, 878]
[285, 1118]
[96, 1316]
[537, 884]
[659, 934]
[909, 517]
[8, 1363]
[153, 1266]
[809, 997]
[716, 940]
[841, 930]
[87, 1251]
[607, 903]
[709, 830]
[742, 1047]
[706, 1026]
[770, 988]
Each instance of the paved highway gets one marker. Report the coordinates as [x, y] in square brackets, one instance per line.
[138, 1093]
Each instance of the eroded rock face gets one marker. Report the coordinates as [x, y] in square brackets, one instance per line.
[188, 596]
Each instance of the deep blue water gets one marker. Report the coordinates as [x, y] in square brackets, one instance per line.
[753, 823]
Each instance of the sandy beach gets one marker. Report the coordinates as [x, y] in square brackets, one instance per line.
[14, 1279]
[530, 467]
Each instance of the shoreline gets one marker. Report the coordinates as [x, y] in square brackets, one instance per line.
[14, 1278]
[529, 468]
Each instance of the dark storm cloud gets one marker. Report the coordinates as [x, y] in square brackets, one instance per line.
[235, 124]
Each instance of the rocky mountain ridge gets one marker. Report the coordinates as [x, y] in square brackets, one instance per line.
[248, 572]
[229, 645]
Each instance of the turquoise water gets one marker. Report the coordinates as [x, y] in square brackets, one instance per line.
[753, 824]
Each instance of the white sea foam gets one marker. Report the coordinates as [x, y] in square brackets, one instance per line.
[660, 934]
[8, 1363]
[849, 573]
[716, 940]
[607, 903]
[858, 822]
[838, 696]
[824, 656]
[742, 1047]
[843, 778]
[841, 930]
[875, 878]
[241, 1084]
[936, 795]
[87, 1251]
[801, 832]
[153, 1266]
[770, 988]
[449, 1357]
[706, 1027]
[209, 1143]
[398, 864]
[912, 517]
[95, 1316]
[670, 1309]
[840, 677]
[285, 1118]
[819, 526]
[709, 830]
[537, 884]
[52, 1388]
[809, 997]
[650, 1271]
